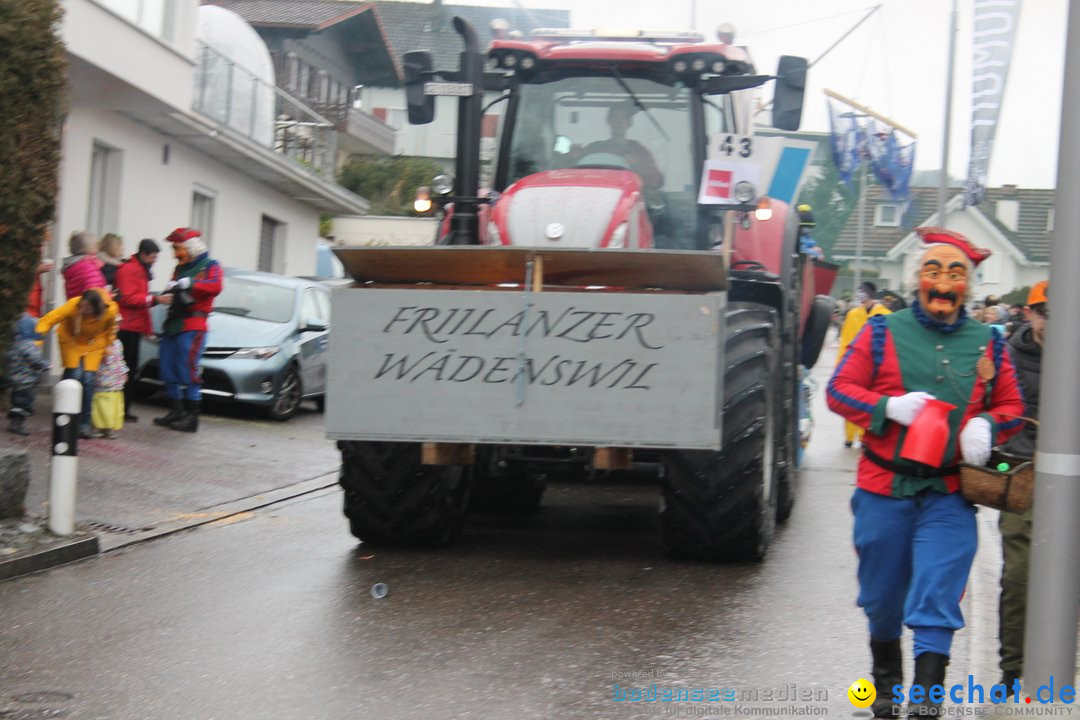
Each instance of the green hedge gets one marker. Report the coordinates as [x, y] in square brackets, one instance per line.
[32, 69]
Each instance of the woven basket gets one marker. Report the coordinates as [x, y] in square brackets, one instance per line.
[1011, 491]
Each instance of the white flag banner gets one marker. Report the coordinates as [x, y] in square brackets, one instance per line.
[994, 30]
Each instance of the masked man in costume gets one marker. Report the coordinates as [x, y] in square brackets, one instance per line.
[195, 283]
[914, 533]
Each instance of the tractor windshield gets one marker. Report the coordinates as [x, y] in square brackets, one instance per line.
[595, 122]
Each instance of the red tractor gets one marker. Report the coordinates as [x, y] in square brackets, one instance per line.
[637, 299]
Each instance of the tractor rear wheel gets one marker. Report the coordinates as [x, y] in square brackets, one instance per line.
[393, 499]
[722, 505]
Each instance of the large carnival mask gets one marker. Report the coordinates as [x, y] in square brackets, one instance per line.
[181, 253]
[943, 281]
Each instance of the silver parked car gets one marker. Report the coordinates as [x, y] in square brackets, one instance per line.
[266, 344]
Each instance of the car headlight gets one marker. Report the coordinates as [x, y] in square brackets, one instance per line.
[255, 353]
[744, 191]
[618, 238]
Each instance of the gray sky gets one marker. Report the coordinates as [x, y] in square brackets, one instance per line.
[895, 63]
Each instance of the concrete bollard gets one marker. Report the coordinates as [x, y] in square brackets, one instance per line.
[67, 404]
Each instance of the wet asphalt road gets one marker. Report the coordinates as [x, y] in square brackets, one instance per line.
[269, 614]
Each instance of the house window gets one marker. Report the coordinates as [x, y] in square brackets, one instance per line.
[202, 214]
[269, 241]
[103, 203]
[887, 215]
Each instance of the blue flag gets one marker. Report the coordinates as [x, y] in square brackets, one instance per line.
[846, 138]
[891, 162]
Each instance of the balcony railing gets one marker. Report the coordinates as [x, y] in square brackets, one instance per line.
[235, 97]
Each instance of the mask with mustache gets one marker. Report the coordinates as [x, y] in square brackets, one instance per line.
[943, 282]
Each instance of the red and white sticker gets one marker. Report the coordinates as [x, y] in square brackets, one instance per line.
[719, 178]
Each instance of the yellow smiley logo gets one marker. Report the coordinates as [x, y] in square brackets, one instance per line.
[861, 693]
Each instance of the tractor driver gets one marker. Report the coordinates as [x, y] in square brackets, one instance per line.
[638, 159]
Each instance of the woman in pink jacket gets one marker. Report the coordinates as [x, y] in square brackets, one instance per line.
[82, 269]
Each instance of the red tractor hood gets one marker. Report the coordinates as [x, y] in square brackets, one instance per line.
[578, 207]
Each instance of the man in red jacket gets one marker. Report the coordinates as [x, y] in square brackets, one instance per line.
[914, 533]
[195, 283]
[133, 296]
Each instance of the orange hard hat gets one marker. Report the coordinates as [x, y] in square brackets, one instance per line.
[1038, 293]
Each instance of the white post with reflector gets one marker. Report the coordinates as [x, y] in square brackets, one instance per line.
[67, 404]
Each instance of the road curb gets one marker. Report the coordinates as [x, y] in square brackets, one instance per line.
[218, 513]
[63, 551]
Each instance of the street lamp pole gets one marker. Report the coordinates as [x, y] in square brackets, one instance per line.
[1054, 582]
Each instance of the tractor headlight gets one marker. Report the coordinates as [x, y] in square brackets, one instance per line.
[442, 184]
[618, 238]
[698, 65]
[744, 191]
[680, 66]
[422, 203]
[763, 211]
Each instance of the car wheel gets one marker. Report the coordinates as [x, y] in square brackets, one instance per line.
[288, 397]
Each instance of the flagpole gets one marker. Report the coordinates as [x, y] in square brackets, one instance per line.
[860, 222]
[943, 181]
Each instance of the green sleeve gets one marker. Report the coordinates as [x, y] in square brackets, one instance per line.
[877, 418]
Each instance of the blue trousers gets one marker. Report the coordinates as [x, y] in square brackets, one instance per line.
[914, 558]
[178, 358]
[89, 382]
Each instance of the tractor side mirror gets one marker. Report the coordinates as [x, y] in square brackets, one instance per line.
[417, 72]
[789, 91]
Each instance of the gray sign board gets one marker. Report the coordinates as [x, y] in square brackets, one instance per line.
[552, 368]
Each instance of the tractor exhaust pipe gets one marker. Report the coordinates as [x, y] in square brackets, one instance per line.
[465, 223]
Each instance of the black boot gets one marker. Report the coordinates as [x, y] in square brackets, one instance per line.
[929, 671]
[173, 415]
[888, 671]
[18, 424]
[189, 421]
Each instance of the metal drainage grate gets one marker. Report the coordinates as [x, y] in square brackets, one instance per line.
[106, 527]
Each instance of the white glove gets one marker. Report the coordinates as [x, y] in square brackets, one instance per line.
[183, 283]
[905, 408]
[975, 441]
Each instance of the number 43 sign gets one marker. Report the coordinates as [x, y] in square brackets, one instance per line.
[731, 161]
[728, 146]
[737, 158]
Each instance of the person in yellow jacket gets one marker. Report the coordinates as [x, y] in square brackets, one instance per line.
[87, 326]
[866, 306]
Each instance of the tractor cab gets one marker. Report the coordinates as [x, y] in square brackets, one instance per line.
[601, 137]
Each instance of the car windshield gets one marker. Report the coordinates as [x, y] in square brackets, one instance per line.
[256, 300]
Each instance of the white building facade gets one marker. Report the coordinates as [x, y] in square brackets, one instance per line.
[138, 158]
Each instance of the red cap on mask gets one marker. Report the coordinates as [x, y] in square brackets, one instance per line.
[932, 235]
[183, 234]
